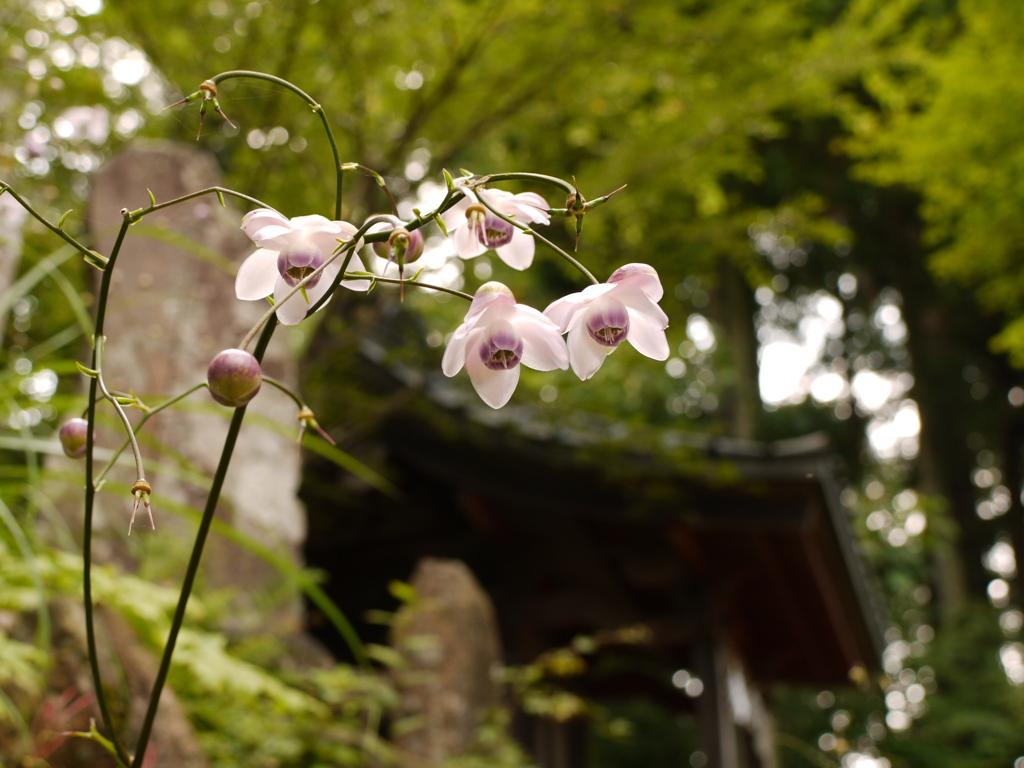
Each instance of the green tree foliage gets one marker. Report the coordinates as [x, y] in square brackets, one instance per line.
[879, 138]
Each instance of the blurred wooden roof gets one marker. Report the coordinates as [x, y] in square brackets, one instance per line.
[750, 537]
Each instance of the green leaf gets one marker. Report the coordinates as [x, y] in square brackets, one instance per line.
[86, 371]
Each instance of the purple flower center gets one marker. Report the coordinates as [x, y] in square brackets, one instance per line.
[492, 231]
[299, 260]
[608, 322]
[502, 348]
[496, 232]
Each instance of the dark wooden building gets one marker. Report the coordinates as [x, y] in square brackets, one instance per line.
[735, 558]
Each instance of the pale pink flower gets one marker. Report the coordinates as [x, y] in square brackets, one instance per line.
[289, 250]
[477, 230]
[601, 317]
[496, 336]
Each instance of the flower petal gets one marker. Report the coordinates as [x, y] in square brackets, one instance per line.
[293, 311]
[455, 216]
[532, 207]
[455, 354]
[495, 386]
[586, 356]
[257, 275]
[256, 220]
[313, 221]
[647, 335]
[518, 254]
[642, 276]
[640, 302]
[467, 243]
[560, 311]
[543, 346]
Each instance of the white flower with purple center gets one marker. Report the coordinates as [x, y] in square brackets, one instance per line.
[601, 317]
[477, 230]
[496, 336]
[289, 251]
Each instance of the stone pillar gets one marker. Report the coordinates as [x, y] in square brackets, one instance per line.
[449, 639]
[12, 220]
[172, 308]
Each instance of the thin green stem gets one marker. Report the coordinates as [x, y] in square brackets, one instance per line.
[136, 215]
[376, 177]
[417, 283]
[286, 389]
[140, 473]
[533, 233]
[193, 564]
[517, 176]
[57, 229]
[314, 104]
[148, 412]
[90, 496]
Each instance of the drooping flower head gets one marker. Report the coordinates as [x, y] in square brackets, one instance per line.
[403, 249]
[496, 336]
[289, 251]
[477, 230]
[600, 317]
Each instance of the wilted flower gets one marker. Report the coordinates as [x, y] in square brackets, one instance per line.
[74, 437]
[142, 491]
[289, 250]
[234, 377]
[496, 336]
[601, 317]
[477, 230]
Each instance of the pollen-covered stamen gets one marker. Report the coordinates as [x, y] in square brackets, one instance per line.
[476, 215]
[298, 261]
[608, 322]
[502, 348]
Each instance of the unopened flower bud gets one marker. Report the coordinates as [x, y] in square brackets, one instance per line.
[74, 437]
[234, 377]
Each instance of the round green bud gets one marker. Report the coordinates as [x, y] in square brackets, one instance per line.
[234, 377]
[74, 437]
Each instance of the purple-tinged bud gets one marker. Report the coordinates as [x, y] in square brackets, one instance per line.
[74, 437]
[503, 347]
[234, 377]
[608, 321]
[389, 249]
[295, 263]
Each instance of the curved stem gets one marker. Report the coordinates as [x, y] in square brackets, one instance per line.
[281, 386]
[237, 73]
[140, 474]
[193, 563]
[90, 497]
[517, 176]
[136, 215]
[533, 233]
[417, 283]
[55, 228]
[138, 427]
